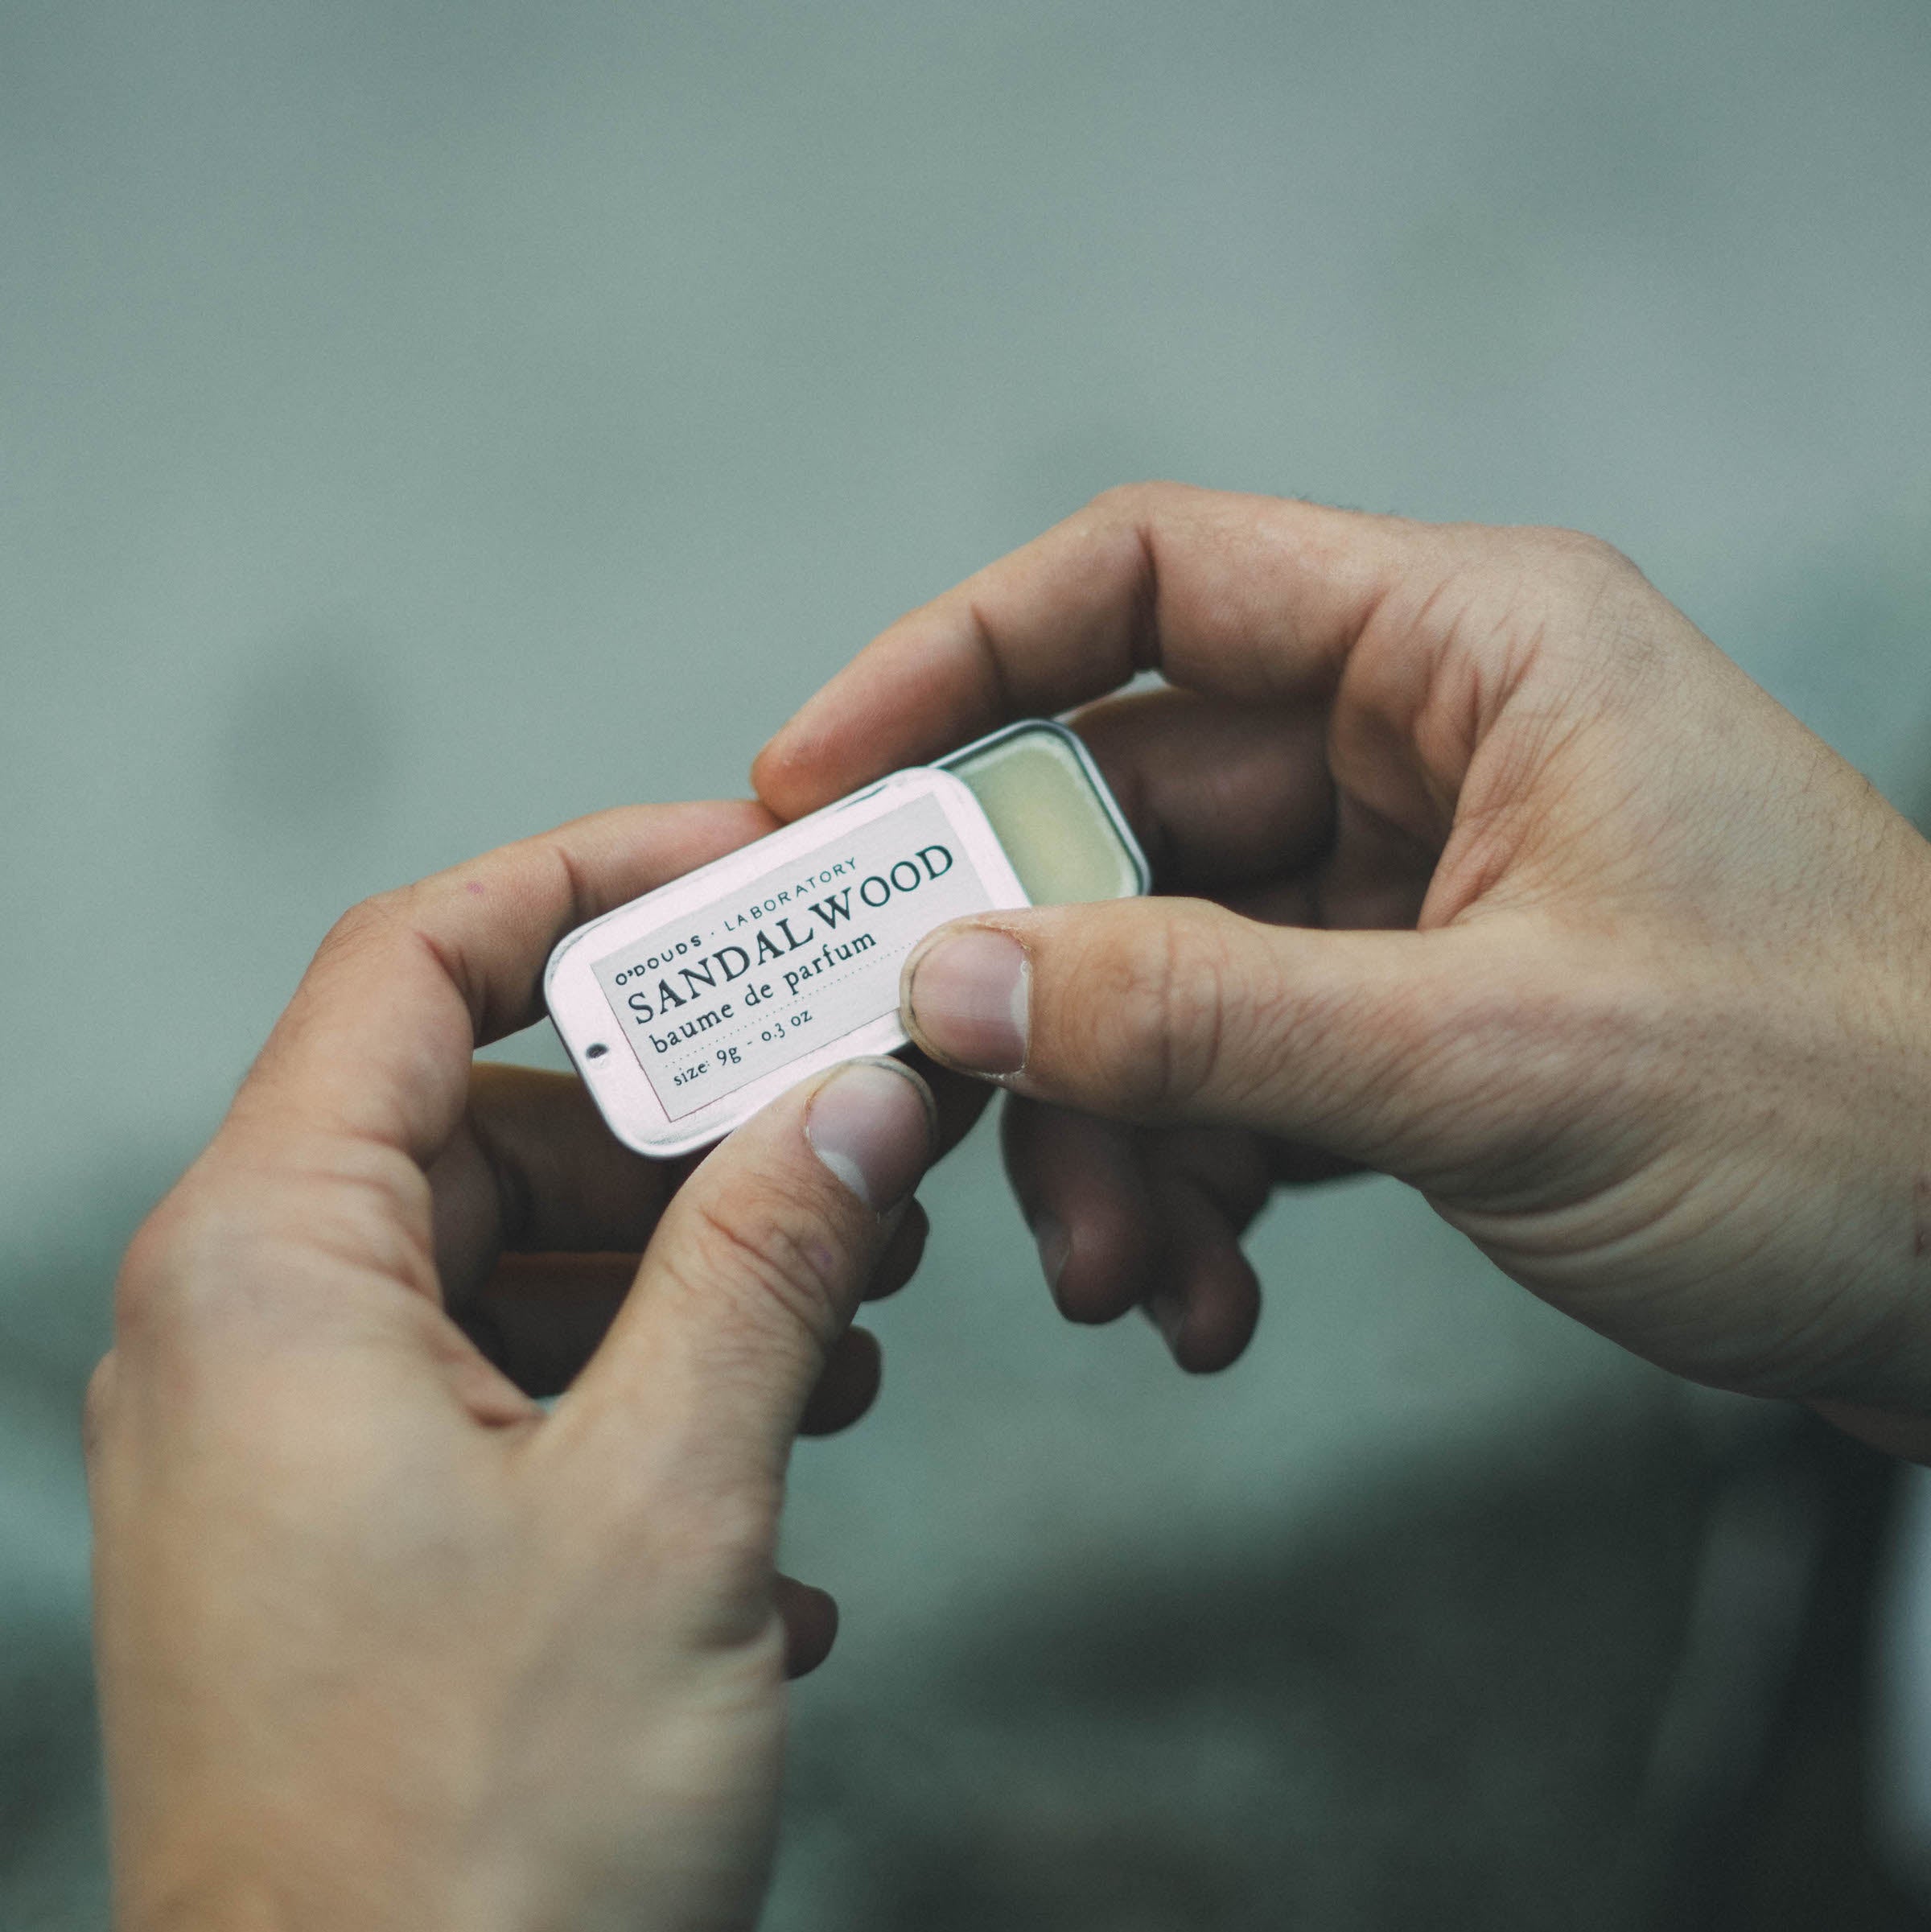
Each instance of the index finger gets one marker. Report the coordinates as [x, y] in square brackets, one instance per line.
[1254, 598]
[377, 1040]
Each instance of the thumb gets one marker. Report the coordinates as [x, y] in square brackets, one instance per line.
[1372, 1045]
[753, 1274]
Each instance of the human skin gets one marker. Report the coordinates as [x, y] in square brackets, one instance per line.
[382, 1643]
[1477, 864]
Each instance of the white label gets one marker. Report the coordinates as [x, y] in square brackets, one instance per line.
[791, 961]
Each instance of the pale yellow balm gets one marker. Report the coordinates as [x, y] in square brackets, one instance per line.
[1054, 815]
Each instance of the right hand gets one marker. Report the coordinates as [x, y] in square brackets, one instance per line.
[1498, 876]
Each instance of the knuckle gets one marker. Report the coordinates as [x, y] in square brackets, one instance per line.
[1586, 569]
[97, 1407]
[1151, 1016]
[363, 924]
[1588, 607]
[1140, 500]
[403, 920]
[145, 1290]
[372, 927]
[1581, 548]
[780, 1260]
[220, 1248]
[1120, 499]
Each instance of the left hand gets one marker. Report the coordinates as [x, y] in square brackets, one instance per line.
[382, 1643]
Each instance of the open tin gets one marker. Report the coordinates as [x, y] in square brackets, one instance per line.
[689, 1008]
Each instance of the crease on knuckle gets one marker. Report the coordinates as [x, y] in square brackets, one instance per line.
[1596, 554]
[1156, 1013]
[390, 922]
[1139, 510]
[999, 694]
[582, 900]
[768, 1264]
[451, 963]
[1600, 589]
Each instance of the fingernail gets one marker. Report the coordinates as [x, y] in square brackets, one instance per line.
[872, 1123]
[966, 994]
[1055, 1245]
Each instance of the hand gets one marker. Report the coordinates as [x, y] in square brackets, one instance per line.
[1501, 879]
[382, 1643]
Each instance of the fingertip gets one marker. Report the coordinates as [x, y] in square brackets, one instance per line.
[848, 1386]
[1084, 1190]
[1208, 1303]
[775, 776]
[1217, 1313]
[1103, 1271]
[874, 1123]
[904, 1250]
[836, 741]
[810, 1617]
[1054, 1243]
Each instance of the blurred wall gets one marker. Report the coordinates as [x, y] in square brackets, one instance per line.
[419, 425]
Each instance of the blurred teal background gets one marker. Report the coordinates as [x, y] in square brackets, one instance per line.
[419, 425]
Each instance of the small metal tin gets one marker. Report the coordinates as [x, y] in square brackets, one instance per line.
[689, 1008]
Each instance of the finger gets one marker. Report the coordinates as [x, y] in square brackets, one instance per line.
[1398, 1050]
[1208, 1298]
[752, 1275]
[1292, 901]
[1221, 795]
[1099, 1195]
[847, 1386]
[377, 1042]
[811, 1624]
[1294, 1165]
[904, 1250]
[1256, 598]
[1238, 801]
[1889, 1431]
[1083, 1189]
[533, 1169]
[960, 1101]
[540, 1317]
[1228, 1165]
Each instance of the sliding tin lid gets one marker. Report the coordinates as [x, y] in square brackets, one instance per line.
[688, 1009]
